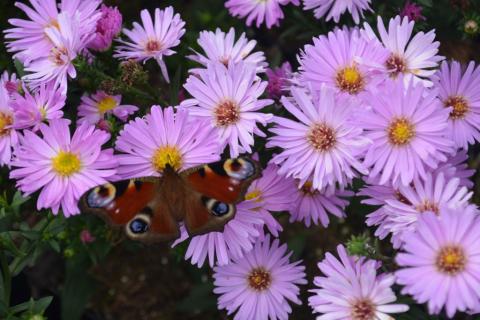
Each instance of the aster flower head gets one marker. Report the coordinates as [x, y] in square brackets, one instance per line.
[407, 127]
[460, 91]
[344, 60]
[278, 80]
[221, 47]
[153, 39]
[324, 145]
[414, 58]
[94, 108]
[62, 167]
[260, 285]
[335, 8]
[11, 83]
[268, 11]
[351, 288]
[164, 137]
[229, 98]
[441, 261]
[457, 167]
[108, 27]
[8, 135]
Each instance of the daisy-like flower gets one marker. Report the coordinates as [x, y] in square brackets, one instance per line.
[164, 137]
[222, 47]
[461, 91]
[28, 39]
[108, 27]
[269, 11]
[350, 288]
[228, 96]
[457, 167]
[335, 8]
[62, 167]
[260, 285]
[11, 83]
[8, 135]
[407, 127]
[31, 109]
[415, 57]
[325, 145]
[344, 60]
[155, 39]
[441, 261]
[278, 80]
[94, 108]
[313, 205]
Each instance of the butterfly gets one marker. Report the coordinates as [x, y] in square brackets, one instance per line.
[150, 209]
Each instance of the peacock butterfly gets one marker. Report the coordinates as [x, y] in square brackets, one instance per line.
[151, 208]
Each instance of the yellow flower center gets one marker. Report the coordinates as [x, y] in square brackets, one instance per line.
[6, 120]
[167, 155]
[226, 113]
[308, 189]
[400, 132]
[66, 164]
[350, 80]
[451, 260]
[322, 137]
[459, 105]
[259, 279]
[363, 310]
[255, 194]
[43, 112]
[106, 104]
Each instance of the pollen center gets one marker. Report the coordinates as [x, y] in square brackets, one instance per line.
[153, 46]
[66, 163]
[106, 104]
[167, 155]
[350, 80]
[59, 56]
[396, 65]
[307, 189]
[5, 123]
[400, 132]
[451, 260]
[226, 113]
[428, 205]
[259, 279]
[322, 137]
[459, 105]
[255, 194]
[363, 310]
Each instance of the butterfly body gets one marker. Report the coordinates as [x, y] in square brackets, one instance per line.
[152, 208]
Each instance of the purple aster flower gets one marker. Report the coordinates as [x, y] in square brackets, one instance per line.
[27, 39]
[33, 109]
[461, 92]
[8, 135]
[344, 60]
[222, 47]
[412, 11]
[155, 39]
[440, 264]
[269, 11]
[313, 205]
[278, 80]
[260, 285]
[229, 98]
[457, 167]
[108, 27]
[351, 289]
[407, 127]
[325, 145]
[11, 83]
[63, 168]
[411, 57]
[94, 108]
[164, 137]
[336, 8]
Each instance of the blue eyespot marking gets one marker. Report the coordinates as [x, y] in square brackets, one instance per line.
[138, 226]
[220, 208]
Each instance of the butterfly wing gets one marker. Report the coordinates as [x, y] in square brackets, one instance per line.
[134, 204]
[214, 189]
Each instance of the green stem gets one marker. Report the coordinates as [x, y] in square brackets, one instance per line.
[7, 278]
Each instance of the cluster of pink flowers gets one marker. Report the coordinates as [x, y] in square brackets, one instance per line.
[370, 102]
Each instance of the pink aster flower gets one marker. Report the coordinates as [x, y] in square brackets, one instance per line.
[324, 145]
[8, 135]
[94, 108]
[351, 288]
[407, 127]
[164, 137]
[63, 168]
[222, 47]
[229, 97]
[312, 205]
[457, 167]
[269, 11]
[441, 261]
[415, 57]
[344, 60]
[31, 109]
[412, 11]
[10, 83]
[155, 39]
[336, 8]
[260, 285]
[460, 90]
[108, 27]
[278, 80]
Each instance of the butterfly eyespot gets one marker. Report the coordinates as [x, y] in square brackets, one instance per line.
[239, 168]
[101, 196]
[139, 225]
[218, 208]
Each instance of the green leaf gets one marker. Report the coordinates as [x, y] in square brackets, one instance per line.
[41, 305]
[20, 68]
[297, 245]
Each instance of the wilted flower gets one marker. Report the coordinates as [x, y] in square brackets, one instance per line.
[108, 27]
